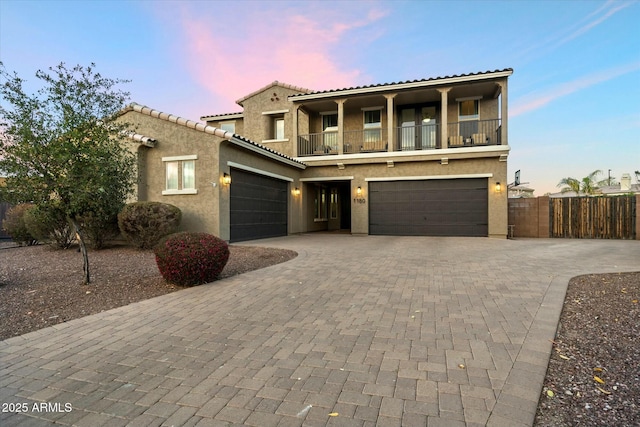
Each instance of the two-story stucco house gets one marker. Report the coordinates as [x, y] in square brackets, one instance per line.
[423, 157]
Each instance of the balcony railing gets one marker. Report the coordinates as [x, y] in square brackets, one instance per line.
[318, 144]
[365, 141]
[407, 138]
[474, 133]
[421, 137]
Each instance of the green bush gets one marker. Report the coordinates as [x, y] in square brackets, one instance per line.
[143, 224]
[49, 223]
[189, 259]
[14, 224]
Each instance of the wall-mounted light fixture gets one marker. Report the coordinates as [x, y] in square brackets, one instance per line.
[498, 187]
[296, 191]
[226, 179]
[359, 191]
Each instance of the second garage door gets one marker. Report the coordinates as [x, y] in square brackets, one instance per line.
[258, 206]
[448, 207]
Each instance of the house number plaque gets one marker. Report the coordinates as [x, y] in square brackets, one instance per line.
[360, 200]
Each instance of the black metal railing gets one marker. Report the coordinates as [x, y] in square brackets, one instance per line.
[421, 137]
[474, 133]
[407, 138]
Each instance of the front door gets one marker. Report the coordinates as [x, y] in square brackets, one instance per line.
[418, 128]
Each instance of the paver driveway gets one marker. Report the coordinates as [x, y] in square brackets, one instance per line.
[356, 331]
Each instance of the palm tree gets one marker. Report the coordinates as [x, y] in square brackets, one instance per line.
[570, 184]
[588, 185]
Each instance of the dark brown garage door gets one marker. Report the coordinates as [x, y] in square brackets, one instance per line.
[451, 207]
[258, 206]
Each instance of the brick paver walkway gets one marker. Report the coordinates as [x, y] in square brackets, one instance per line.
[356, 331]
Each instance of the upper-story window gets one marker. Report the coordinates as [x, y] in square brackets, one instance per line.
[274, 125]
[278, 127]
[228, 126]
[469, 109]
[330, 122]
[180, 175]
[372, 125]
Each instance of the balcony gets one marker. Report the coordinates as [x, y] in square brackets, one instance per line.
[406, 138]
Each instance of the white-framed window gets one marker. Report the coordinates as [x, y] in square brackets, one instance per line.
[278, 128]
[372, 125]
[228, 126]
[180, 175]
[274, 125]
[329, 131]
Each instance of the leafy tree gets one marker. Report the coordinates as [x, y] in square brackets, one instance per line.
[587, 185]
[63, 143]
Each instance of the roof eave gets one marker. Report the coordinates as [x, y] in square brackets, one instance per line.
[403, 86]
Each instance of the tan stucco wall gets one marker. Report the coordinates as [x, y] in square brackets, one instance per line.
[199, 211]
[456, 167]
[257, 125]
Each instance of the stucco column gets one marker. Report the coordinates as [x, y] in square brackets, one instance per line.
[391, 142]
[294, 133]
[340, 103]
[504, 113]
[444, 121]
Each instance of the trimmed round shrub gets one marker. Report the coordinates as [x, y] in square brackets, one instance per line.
[49, 223]
[189, 259]
[143, 224]
[15, 225]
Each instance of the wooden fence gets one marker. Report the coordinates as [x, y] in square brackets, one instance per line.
[593, 217]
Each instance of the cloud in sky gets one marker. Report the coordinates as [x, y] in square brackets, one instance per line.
[232, 59]
[572, 31]
[595, 18]
[535, 101]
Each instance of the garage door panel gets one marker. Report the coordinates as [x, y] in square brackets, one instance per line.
[431, 208]
[258, 206]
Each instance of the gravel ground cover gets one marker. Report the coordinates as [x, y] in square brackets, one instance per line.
[40, 286]
[593, 378]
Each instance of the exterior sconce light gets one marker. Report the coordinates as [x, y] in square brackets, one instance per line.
[296, 191]
[226, 179]
[498, 187]
[359, 191]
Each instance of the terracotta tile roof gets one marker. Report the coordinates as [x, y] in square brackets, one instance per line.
[275, 83]
[232, 137]
[394, 85]
[223, 116]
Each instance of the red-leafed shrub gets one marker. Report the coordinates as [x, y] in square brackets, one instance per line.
[189, 259]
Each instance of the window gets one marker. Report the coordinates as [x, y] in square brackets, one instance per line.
[372, 126]
[334, 203]
[189, 175]
[468, 116]
[180, 175]
[321, 204]
[469, 109]
[228, 126]
[273, 125]
[330, 131]
[172, 175]
[278, 128]
[330, 122]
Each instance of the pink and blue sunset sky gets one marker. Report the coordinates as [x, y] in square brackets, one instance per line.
[573, 98]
